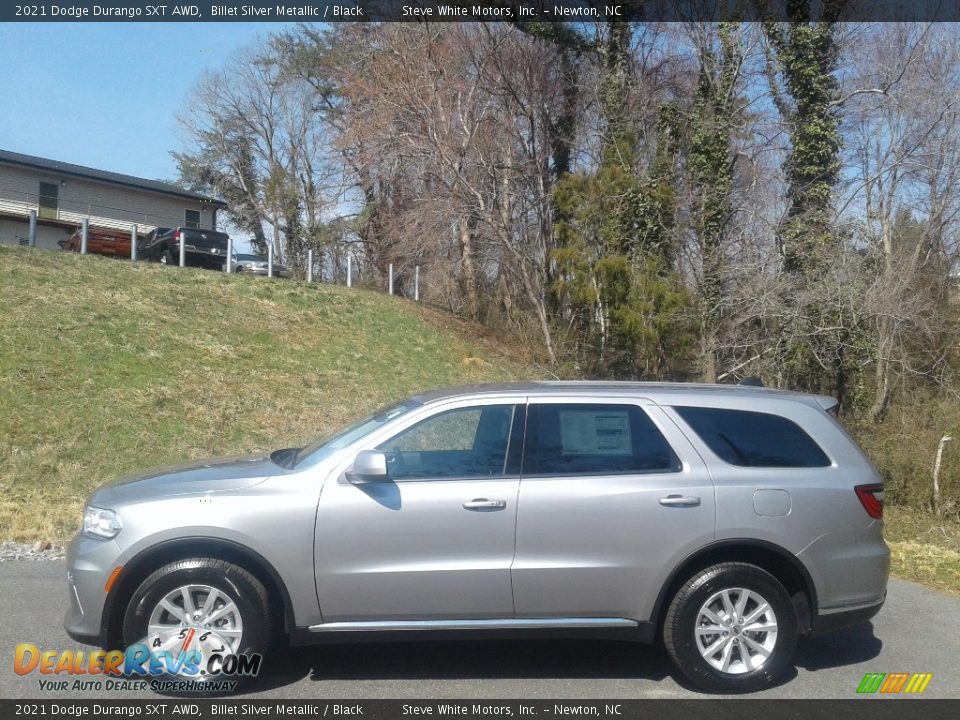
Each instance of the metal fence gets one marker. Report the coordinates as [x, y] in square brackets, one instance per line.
[229, 266]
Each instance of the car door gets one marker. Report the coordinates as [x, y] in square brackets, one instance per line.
[612, 497]
[436, 541]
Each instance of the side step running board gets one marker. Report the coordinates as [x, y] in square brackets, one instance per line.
[499, 624]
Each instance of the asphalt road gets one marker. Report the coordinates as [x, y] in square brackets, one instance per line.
[918, 630]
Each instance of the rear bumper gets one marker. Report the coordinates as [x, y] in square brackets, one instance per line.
[205, 256]
[831, 619]
[849, 569]
[205, 251]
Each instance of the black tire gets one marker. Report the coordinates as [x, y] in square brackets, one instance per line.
[167, 258]
[682, 619]
[246, 591]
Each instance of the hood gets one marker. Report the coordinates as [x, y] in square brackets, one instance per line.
[198, 476]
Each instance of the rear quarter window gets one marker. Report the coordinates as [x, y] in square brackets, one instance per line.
[754, 439]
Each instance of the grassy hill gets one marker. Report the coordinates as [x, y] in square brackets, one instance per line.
[108, 367]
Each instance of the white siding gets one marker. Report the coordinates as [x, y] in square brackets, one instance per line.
[106, 205]
[14, 232]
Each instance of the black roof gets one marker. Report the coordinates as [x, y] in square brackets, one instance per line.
[62, 168]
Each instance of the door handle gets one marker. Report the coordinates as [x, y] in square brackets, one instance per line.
[680, 501]
[484, 504]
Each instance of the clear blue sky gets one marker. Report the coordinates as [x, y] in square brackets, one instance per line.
[106, 95]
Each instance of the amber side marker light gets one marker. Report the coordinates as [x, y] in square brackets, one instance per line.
[113, 578]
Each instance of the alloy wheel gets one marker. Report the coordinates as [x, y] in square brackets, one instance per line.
[196, 617]
[736, 630]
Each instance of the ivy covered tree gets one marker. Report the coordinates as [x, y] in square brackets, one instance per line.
[801, 68]
[805, 57]
[711, 158]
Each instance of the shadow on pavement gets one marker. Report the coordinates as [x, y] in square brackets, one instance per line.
[529, 659]
[477, 659]
[849, 646]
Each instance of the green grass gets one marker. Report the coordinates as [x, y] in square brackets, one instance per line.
[108, 367]
[923, 547]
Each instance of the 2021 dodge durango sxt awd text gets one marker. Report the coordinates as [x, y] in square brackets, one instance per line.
[724, 520]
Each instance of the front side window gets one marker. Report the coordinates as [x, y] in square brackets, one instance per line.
[754, 439]
[588, 439]
[466, 442]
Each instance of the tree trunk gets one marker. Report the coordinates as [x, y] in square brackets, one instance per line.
[709, 357]
[469, 272]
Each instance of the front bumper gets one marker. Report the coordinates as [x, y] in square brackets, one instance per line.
[252, 270]
[263, 272]
[89, 564]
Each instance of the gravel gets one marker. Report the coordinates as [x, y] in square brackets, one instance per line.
[37, 551]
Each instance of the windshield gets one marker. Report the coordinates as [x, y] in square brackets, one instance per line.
[322, 449]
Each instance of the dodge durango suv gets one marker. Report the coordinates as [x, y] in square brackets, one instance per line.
[723, 521]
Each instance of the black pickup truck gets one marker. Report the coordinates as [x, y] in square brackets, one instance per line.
[203, 248]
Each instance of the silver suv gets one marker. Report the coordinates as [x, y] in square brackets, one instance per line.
[724, 520]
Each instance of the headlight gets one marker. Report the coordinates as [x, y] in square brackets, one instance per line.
[100, 523]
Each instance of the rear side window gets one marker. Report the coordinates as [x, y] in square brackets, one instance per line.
[597, 439]
[754, 439]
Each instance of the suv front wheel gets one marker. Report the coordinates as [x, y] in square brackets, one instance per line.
[731, 628]
[212, 604]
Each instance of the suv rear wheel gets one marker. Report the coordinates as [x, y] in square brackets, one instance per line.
[731, 628]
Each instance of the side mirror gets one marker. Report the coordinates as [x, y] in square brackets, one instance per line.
[370, 466]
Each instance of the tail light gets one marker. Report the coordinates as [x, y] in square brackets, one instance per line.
[871, 497]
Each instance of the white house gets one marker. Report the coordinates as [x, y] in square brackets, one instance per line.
[62, 195]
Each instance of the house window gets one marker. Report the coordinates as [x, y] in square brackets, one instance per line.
[192, 219]
[49, 200]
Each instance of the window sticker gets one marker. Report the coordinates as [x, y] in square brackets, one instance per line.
[595, 433]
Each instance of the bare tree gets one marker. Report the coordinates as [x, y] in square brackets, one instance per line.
[257, 143]
[903, 109]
